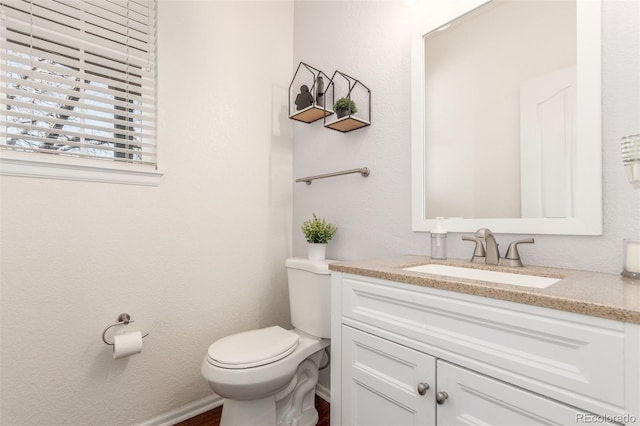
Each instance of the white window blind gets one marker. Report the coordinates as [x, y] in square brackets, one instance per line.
[77, 79]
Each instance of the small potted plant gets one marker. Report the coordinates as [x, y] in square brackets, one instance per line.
[317, 232]
[344, 106]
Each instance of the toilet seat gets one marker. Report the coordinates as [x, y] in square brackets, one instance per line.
[252, 348]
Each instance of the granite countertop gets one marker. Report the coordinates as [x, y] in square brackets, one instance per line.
[597, 294]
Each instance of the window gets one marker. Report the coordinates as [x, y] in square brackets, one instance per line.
[77, 85]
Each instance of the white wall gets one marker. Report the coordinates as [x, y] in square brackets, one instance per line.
[196, 258]
[371, 41]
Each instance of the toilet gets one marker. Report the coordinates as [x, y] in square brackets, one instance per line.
[268, 375]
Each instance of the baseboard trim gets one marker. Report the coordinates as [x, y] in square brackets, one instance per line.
[323, 392]
[185, 412]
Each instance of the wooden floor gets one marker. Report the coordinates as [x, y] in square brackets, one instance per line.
[212, 418]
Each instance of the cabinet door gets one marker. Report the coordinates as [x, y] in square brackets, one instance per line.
[475, 399]
[385, 384]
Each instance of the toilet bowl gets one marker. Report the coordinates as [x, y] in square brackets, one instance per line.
[268, 376]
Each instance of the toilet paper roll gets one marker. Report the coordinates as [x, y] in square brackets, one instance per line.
[127, 344]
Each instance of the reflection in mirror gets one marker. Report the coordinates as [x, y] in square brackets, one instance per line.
[506, 130]
[487, 80]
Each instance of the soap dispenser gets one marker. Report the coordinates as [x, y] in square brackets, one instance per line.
[439, 240]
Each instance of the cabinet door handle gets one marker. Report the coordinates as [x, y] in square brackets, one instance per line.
[422, 388]
[441, 397]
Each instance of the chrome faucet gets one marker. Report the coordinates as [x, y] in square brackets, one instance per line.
[489, 253]
[491, 246]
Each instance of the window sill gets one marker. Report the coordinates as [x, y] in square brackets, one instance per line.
[33, 165]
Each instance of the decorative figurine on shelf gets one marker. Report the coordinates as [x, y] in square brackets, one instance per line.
[304, 98]
[320, 92]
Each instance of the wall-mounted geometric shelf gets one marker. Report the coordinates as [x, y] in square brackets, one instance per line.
[307, 94]
[353, 90]
[347, 124]
[310, 114]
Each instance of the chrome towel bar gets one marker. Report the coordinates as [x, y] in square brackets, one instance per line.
[364, 171]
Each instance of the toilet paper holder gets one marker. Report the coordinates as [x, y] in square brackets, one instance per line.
[123, 319]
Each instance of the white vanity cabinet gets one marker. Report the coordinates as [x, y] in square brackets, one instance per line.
[387, 383]
[405, 354]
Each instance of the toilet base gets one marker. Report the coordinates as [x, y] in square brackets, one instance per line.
[254, 412]
[293, 406]
[262, 412]
[308, 418]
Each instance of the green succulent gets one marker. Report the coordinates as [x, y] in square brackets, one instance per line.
[318, 230]
[345, 104]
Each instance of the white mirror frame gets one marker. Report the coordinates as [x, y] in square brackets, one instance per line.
[588, 187]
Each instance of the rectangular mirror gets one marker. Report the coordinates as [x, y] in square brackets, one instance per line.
[506, 115]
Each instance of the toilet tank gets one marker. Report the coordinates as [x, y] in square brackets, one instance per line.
[310, 295]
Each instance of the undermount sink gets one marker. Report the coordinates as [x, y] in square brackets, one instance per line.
[485, 275]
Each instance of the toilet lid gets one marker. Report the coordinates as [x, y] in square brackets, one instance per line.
[252, 348]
